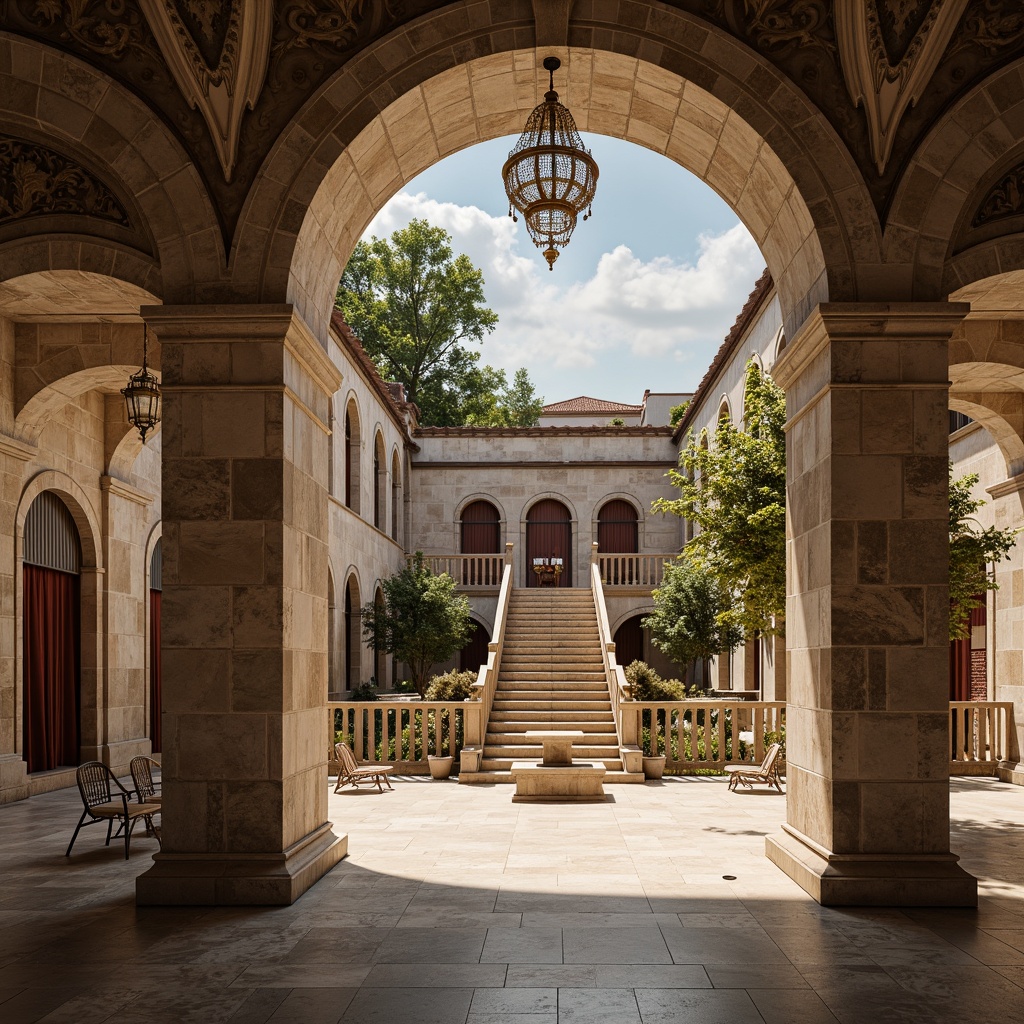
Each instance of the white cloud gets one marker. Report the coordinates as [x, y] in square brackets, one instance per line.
[659, 314]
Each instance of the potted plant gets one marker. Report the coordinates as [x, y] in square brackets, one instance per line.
[440, 765]
[654, 766]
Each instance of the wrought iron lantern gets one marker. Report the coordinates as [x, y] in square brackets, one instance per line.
[550, 176]
[142, 395]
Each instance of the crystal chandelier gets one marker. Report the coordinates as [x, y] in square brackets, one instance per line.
[142, 395]
[550, 176]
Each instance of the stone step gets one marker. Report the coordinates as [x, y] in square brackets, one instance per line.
[590, 697]
[530, 717]
[550, 705]
[494, 743]
[555, 680]
[537, 686]
[512, 726]
[503, 764]
[615, 775]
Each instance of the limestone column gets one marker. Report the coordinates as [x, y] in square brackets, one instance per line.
[244, 618]
[867, 608]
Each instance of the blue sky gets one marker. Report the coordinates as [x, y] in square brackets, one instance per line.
[640, 298]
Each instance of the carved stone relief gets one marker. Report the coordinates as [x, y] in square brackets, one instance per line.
[1005, 199]
[36, 181]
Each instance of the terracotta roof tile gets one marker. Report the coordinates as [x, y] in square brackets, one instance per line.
[585, 404]
[566, 431]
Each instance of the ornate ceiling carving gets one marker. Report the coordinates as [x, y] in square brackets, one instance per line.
[37, 181]
[1005, 199]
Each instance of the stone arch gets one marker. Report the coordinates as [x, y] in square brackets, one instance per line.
[604, 502]
[778, 346]
[352, 630]
[380, 481]
[468, 499]
[724, 410]
[380, 669]
[127, 450]
[1002, 415]
[779, 164]
[939, 191]
[142, 162]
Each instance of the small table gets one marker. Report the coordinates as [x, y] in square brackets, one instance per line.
[557, 745]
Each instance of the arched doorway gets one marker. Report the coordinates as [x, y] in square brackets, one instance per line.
[475, 652]
[51, 641]
[618, 527]
[156, 586]
[352, 446]
[379, 654]
[480, 534]
[549, 536]
[380, 473]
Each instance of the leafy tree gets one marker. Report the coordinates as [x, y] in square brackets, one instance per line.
[513, 405]
[616, 421]
[691, 619]
[735, 492]
[415, 306]
[677, 412]
[422, 620]
[971, 548]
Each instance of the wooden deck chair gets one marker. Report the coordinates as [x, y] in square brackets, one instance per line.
[142, 777]
[96, 782]
[767, 772]
[351, 772]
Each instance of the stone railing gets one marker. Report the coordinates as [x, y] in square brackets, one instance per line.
[470, 572]
[705, 733]
[614, 676]
[981, 734]
[641, 571]
[402, 732]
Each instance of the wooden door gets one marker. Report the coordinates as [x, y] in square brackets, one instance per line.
[549, 535]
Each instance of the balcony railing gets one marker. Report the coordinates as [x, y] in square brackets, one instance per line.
[981, 734]
[470, 572]
[631, 570]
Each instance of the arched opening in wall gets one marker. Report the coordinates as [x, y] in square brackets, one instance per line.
[379, 654]
[332, 636]
[352, 449]
[396, 498]
[156, 586]
[548, 544]
[480, 534]
[331, 451]
[51, 636]
[353, 634]
[633, 643]
[474, 653]
[618, 534]
[380, 483]
[968, 656]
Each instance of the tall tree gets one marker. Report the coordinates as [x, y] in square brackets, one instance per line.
[971, 548]
[415, 306]
[513, 405]
[689, 621]
[735, 492]
[422, 620]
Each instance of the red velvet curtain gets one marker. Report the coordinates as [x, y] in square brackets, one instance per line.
[51, 630]
[154, 671]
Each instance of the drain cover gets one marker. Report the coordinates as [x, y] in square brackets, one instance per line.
[729, 878]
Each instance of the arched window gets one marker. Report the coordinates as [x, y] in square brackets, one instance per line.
[332, 615]
[380, 481]
[396, 497]
[352, 445]
[379, 656]
[618, 528]
[353, 631]
[156, 586]
[51, 631]
[549, 537]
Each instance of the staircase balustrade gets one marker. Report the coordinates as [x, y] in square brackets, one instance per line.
[981, 734]
[470, 572]
[614, 676]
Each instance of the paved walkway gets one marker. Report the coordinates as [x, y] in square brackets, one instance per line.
[458, 907]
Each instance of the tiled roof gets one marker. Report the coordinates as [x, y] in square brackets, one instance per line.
[762, 289]
[566, 431]
[584, 404]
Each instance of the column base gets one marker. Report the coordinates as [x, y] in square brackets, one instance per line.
[871, 880]
[253, 879]
[13, 778]
[1011, 771]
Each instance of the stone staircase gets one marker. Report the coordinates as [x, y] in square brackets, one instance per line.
[552, 677]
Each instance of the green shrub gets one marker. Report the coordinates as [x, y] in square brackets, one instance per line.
[646, 684]
[365, 691]
[453, 685]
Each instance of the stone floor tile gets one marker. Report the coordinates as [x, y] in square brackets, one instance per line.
[430, 945]
[259, 1006]
[437, 975]
[615, 946]
[408, 1006]
[515, 1000]
[458, 919]
[322, 945]
[604, 976]
[756, 976]
[320, 975]
[312, 1006]
[512, 1018]
[523, 946]
[675, 1006]
[609, 1006]
[722, 946]
[779, 1006]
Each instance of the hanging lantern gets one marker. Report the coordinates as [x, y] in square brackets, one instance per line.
[550, 176]
[142, 395]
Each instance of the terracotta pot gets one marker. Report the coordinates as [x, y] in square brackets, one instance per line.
[654, 766]
[440, 765]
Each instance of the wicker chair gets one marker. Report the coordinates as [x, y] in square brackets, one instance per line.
[142, 778]
[767, 772]
[97, 784]
[350, 772]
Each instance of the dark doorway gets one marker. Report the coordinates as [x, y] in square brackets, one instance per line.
[629, 641]
[474, 654]
[549, 536]
[156, 587]
[617, 528]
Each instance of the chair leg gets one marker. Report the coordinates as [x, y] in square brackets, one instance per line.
[129, 825]
[110, 828]
[78, 828]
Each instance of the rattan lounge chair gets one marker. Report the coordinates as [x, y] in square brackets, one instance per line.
[351, 772]
[767, 772]
[142, 777]
[96, 783]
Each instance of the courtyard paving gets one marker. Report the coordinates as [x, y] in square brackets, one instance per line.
[456, 906]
